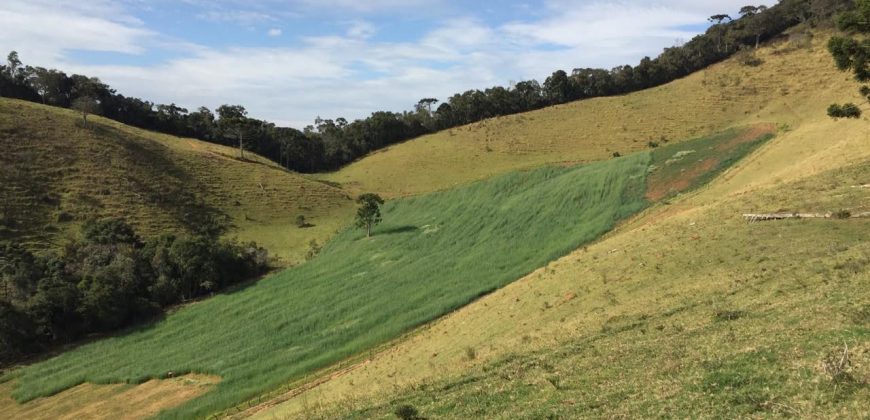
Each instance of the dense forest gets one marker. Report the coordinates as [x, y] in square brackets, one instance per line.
[328, 144]
[108, 280]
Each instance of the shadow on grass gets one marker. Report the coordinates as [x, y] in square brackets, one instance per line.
[398, 230]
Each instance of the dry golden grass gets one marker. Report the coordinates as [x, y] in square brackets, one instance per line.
[57, 174]
[673, 267]
[791, 85]
[115, 401]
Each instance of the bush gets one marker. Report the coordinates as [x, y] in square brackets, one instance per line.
[748, 58]
[407, 412]
[313, 249]
[300, 221]
[842, 214]
[848, 110]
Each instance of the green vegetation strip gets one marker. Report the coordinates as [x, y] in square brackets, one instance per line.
[432, 255]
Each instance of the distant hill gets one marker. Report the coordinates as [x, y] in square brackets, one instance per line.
[55, 174]
[794, 78]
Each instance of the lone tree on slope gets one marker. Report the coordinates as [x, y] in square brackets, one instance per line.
[369, 212]
[235, 124]
[86, 105]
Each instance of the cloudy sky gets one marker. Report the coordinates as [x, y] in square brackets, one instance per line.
[291, 61]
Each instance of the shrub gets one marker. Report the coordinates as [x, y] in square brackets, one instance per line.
[313, 249]
[300, 221]
[851, 110]
[653, 144]
[725, 315]
[865, 91]
[617, 154]
[837, 365]
[109, 231]
[407, 412]
[748, 58]
[848, 110]
[842, 214]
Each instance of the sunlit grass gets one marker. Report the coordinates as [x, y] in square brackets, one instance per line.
[432, 254]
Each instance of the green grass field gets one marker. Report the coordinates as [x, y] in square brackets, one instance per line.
[432, 255]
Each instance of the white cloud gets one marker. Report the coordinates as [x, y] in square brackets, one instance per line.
[361, 29]
[351, 73]
[42, 32]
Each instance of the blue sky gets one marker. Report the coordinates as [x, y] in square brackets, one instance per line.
[291, 61]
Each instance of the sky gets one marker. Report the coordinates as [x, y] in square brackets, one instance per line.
[292, 61]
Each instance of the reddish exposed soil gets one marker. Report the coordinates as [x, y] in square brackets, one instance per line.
[659, 186]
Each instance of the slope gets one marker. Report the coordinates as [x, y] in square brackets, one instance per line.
[686, 311]
[793, 76]
[54, 174]
[689, 312]
[435, 254]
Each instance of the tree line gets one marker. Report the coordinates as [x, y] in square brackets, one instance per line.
[330, 143]
[108, 280]
[852, 54]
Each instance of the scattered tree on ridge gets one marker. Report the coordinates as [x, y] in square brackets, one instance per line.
[427, 102]
[234, 122]
[852, 55]
[369, 213]
[330, 143]
[86, 105]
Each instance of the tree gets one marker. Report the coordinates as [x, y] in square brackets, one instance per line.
[86, 105]
[746, 11]
[427, 102]
[850, 54]
[369, 212]
[857, 20]
[557, 87]
[718, 19]
[13, 65]
[234, 123]
[718, 30]
[758, 21]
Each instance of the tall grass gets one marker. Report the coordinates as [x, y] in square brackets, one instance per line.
[431, 255]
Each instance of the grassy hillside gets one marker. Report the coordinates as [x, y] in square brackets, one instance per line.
[114, 401]
[432, 255]
[685, 311]
[786, 88]
[699, 315]
[54, 174]
[691, 267]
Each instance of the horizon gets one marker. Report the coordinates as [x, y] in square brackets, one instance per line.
[291, 63]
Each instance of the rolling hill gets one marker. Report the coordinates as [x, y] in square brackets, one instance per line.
[794, 78]
[683, 303]
[54, 174]
[684, 311]
[435, 253]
